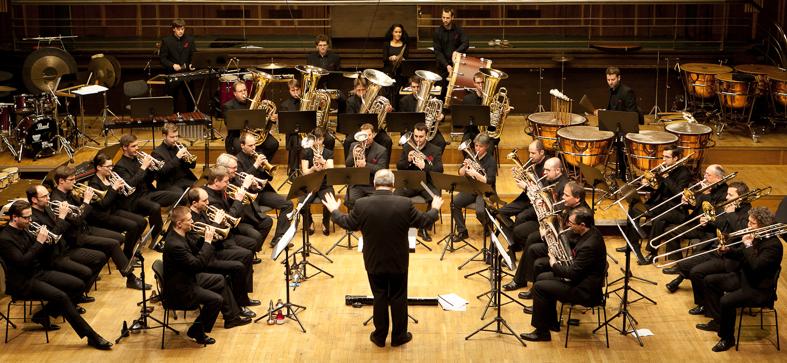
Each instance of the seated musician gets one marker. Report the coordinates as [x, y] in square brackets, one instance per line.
[735, 218]
[188, 281]
[229, 259]
[409, 103]
[176, 174]
[752, 284]
[534, 258]
[486, 174]
[354, 104]
[578, 282]
[410, 160]
[90, 236]
[241, 101]
[64, 256]
[473, 97]
[254, 226]
[136, 172]
[677, 179]
[26, 276]
[252, 163]
[364, 154]
[518, 206]
[175, 56]
[315, 159]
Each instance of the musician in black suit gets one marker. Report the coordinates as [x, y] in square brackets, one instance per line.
[486, 174]
[580, 282]
[323, 56]
[753, 284]
[187, 282]
[176, 174]
[241, 102]
[448, 39]
[473, 97]
[384, 219]
[175, 55]
[354, 105]
[409, 103]
[526, 222]
[621, 96]
[370, 155]
[25, 276]
[315, 159]
[431, 160]
[537, 157]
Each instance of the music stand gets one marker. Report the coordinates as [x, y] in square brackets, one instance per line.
[411, 179]
[621, 123]
[403, 122]
[469, 115]
[350, 123]
[154, 242]
[594, 178]
[305, 186]
[347, 176]
[150, 108]
[295, 122]
[452, 183]
[245, 119]
[485, 190]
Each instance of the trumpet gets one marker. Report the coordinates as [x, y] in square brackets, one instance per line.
[267, 166]
[188, 157]
[125, 189]
[474, 164]
[50, 237]
[407, 139]
[219, 233]
[73, 210]
[261, 182]
[688, 194]
[155, 164]
[359, 150]
[228, 220]
[81, 188]
[248, 198]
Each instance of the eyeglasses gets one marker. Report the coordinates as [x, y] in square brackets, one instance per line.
[26, 217]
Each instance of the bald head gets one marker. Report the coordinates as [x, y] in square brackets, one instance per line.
[553, 168]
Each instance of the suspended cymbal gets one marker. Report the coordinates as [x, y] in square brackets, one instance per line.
[43, 66]
[7, 89]
[352, 75]
[562, 59]
[4, 76]
[105, 69]
[270, 65]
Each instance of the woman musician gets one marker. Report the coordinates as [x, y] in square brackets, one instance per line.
[395, 51]
[317, 158]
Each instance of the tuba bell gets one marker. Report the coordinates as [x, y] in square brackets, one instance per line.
[498, 102]
[314, 99]
[371, 102]
[261, 80]
[430, 106]
[359, 149]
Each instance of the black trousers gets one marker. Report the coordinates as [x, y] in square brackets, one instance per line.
[150, 205]
[326, 215]
[535, 260]
[92, 259]
[210, 294]
[439, 141]
[725, 292]
[389, 290]
[523, 231]
[663, 224]
[547, 291]
[124, 221]
[180, 95]
[106, 241]
[243, 241]
[85, 274]
[706, 265]
[237, 274]
[276, 201]
[355, 192]
[58, 289]
[462, 200]
[230, 251]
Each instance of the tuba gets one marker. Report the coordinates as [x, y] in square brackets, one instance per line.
[359, 149]
[430, 106]
[314, 99]
[371, 102]
[498, 102]
[261, 79]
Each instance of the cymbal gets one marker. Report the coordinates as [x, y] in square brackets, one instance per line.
[7, 89]
[43, 66]
[271, 65]
[562, 59]
[105, 69]
[4, 76]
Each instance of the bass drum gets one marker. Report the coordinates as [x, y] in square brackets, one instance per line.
[37, 134]
[462, 76]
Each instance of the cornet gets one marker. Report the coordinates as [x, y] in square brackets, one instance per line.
[218, 233]
[248, 198]
[155, 164]
[73, 210]
[81, 188]
[269, 168]
[228, 220]
[407, 139]
[50, 237]
[188, 157]
[259, 181]
[125, 188]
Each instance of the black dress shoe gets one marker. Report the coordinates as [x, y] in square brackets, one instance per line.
[200, 337]
[528, 309]
[671, 270]
[460, 236]
[136, 284]
[537, 336]
[325, 230]
[711, 326]
[43, 320]
[407, 338]
[697, 310]
[311, 230]
[621, 249]
[723, 344]
[98, 342]
[375, 341]
[256, 260]
[673, 285]
[85, 299]
[253, 302]
[512, 286]
[525, 295]
[244, 311]
[239, 321]
[81, 310]
[556, 328]
[424, 234]
[647, 260]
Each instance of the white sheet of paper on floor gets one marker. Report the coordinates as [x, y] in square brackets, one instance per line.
[644, 332]
[452, 302]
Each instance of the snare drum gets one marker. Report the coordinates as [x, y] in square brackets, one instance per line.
[24, 103]
[699, 78]
[692, 138]
[645, 148]
[462, 76]
[584, 145]
[37, 132]
[6, 117]
[735, 94]
[760, 73]
[545, 126]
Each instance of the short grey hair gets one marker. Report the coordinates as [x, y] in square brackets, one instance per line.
[224, 159]
[384, 178]
[718, 170]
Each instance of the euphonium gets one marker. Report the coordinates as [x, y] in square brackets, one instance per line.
[371, 102]
[407, 139]
[430, 106]
[314, 99]
[261, 80]
[125, 189]
[248, 197]
[228, 220]
[474, 164]
[359, 150]
[218, 233]
[155, 164]
[80, 189]
[554, 243]
[518, 171]
[498, 102]
[188, 157]
[73, 210]
[269, 168]
[50, 237]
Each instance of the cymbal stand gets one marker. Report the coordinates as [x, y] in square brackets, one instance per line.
[541, 107]
[655, 110]
[79, 133]
[104, 115]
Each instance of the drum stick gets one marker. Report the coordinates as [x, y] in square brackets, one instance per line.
[427, 189]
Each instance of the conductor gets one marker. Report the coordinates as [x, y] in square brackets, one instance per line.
[384, 219]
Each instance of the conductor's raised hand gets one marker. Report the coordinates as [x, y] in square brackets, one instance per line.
[437, 202]
[330, 202]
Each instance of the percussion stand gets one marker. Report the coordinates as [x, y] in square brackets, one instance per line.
[655, 110]
[540, 107]
[79, 133]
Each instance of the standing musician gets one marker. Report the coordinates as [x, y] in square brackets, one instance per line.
[621, 97]
[411, 160]
[395, 51]
[176, 174]
[135, 171]
[752, 285]
[409, 103]
[487, 174]
[252, 164]
[447, 40]
[241, 102]
[370, 155]
[669, 185]
[188, 281]
[323, 56]
[384, 219]
[580, 282]
[175, 56]
[26, 276]
[315, 159]
[354, 104]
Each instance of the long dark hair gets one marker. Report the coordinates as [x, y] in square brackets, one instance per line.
[389, 33]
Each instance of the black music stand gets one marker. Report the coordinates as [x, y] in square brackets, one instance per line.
[295, 122]
[452, 183]
[489, 194]
[303, 186]
[469, 115]
[245, 119]
[350, 123]
[403, 122]
[621, 123]
[156, 243]
[411, 179]
[347, 176]
[594, 178]
[150, 108]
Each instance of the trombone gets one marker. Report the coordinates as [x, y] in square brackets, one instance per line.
[81, 188]
[155, 164]
[188, 156]
[50, 237]
[248, 198]
[228, 220]
[202, 228]
[709, 211]
[651, 176]
[73, 210]
[761, 232]
[689, 194]
[125, 189]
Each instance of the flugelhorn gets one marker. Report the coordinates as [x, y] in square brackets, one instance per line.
[228, 220]
[474, 164]
[73, 210]
[218, 233]
[266, 165]
[81, 188]
[50, 237]
[155, 164]
[125, 189]
[407, 139]
[248, 198]
[188, 156]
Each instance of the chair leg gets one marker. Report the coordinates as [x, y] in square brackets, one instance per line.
[738, 338]
[606, 330]
[568, 325]
[7, 321]
[164, 329]
[46, 331]
[776, 319]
